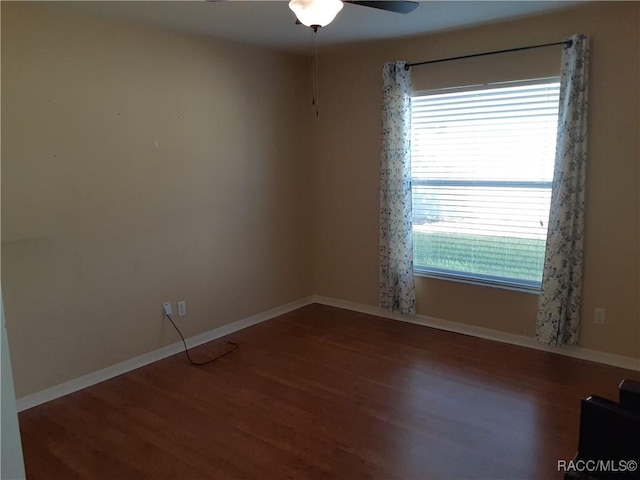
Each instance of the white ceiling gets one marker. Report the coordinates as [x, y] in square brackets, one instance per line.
[271, 23]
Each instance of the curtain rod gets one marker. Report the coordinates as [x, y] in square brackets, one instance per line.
[567, 43]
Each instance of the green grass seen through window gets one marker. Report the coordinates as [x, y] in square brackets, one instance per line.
[507, 257]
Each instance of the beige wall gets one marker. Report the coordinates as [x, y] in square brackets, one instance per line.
[345, 229]
[141, 165]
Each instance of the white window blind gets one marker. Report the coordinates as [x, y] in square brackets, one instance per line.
[482, 166]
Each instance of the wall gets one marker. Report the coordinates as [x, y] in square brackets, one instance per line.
[141, 165]
[346, 169]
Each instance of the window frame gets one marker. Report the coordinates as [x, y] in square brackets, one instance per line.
[525, 286]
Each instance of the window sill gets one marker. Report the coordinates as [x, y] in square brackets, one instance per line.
[535, 290]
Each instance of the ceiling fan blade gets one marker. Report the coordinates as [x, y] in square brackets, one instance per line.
[390, 6]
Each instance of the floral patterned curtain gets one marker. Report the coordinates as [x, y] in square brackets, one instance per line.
[396, 239]
[559, 303]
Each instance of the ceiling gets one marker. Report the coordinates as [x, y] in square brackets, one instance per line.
[271, 23]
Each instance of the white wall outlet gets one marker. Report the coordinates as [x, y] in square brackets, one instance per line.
[182, 308]
[166, 307]
[598, 316]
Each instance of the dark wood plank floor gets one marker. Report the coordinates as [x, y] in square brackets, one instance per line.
[325, 393]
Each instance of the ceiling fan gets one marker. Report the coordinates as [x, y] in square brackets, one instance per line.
[319, 13]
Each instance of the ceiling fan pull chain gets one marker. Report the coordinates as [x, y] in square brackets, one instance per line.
[316, 88]
[314, 69]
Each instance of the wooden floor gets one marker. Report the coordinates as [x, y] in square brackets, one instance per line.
[325, 393]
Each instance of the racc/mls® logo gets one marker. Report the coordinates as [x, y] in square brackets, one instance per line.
[597, 466]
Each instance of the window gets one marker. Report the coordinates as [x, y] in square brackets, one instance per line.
[482, 166]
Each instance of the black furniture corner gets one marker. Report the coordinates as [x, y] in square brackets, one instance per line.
[609, 441]
[630, 394]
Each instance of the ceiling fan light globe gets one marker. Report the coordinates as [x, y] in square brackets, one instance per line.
[315, 13]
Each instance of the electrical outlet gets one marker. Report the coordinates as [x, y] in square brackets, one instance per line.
[182, 308]
[598, 316]
[166, 307]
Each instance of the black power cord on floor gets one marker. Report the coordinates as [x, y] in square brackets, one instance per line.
[186, 350]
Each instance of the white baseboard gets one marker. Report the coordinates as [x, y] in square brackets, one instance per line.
[93, 378]
[582, 353]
